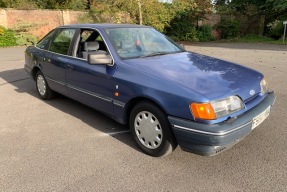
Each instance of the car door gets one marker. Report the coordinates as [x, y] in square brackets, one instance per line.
[90, 84]
[54, 62]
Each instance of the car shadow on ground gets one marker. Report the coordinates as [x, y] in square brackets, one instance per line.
[97, 120]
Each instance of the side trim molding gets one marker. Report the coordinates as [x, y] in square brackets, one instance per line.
[108, 99]
[99, 96]
[59, 82]
[119, 103]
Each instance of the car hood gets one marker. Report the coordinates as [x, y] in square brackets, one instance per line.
[212, 78]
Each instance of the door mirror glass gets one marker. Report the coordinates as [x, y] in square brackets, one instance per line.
[99, 58]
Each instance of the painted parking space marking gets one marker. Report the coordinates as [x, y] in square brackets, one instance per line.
[113, 133]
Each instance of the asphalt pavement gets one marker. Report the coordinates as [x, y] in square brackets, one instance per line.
[62, 145]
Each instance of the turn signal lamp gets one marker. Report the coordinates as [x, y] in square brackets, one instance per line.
[202, 111]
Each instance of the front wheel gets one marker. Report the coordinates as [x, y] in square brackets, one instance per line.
[151, 130]
[44, 91]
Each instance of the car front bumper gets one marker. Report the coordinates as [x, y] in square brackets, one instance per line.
[208, 140]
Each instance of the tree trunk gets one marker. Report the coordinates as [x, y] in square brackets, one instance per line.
[140, 12]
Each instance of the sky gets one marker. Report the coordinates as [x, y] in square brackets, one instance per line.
[165, 1]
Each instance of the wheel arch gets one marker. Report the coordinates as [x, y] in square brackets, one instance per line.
[34, 72]
[168, 141]
[134, 101]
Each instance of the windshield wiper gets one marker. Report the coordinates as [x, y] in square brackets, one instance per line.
[156, 54]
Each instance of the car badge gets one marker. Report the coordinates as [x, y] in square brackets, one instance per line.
[252, 92]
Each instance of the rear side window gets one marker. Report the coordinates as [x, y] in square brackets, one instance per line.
[62, 41]
[86, 37]
[43, 43]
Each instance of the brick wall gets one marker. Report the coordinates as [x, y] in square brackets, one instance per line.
[212, 19]
[40, 21]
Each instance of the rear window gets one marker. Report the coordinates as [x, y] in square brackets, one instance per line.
[62, 41]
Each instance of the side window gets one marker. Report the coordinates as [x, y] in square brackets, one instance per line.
[43, 43]
[90, 41]
[62, 41]
[85, 35]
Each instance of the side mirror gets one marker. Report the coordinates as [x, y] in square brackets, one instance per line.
[100, 58]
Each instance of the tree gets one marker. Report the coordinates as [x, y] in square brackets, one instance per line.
[61, 4]
[147, 12]
[271, 9]
[18, 4]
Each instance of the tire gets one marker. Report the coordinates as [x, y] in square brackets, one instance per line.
[151, 130]
[43, 89]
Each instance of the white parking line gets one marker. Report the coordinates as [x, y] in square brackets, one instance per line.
[114, 133]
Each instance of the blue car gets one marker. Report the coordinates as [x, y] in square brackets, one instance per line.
[140, 77]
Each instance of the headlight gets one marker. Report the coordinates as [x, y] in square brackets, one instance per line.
[216, 109]
[264, 86]
[226, 106]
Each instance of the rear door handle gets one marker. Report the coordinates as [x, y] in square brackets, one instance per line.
[70, 67]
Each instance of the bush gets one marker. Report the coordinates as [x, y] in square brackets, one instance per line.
[228, 28]
[7, 37]
[182, 31]
[204, 33]
[11, 38]
[275, 30]
[25, 39]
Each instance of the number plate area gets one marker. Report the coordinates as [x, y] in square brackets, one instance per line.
[260, 118]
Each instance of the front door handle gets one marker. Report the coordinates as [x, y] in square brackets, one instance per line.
[70, 67]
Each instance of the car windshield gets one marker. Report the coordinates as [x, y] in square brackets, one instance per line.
[141, 42]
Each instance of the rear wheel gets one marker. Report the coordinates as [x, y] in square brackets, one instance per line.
[151, 130]
[44, 91]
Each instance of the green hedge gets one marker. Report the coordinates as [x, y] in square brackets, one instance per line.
[204, 33]
[10, 38]
[7, 37]
[228, 28]
[187, 31]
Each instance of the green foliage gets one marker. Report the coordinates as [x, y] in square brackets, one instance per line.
[18, 4]
[204, 33]
[25, 39]
[254, 39]
[99, 15]
[11, 38]
[45, 4]
[77, 4]
[280, 6]
[228, 28]
[182, 30]
[2, 30]
[22, 36]
[275, 30]
[176, 19]
[271, 10]
[7, 37]
[184, 14]
[156, 14]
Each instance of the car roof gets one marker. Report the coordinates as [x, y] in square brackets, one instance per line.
[104, 26]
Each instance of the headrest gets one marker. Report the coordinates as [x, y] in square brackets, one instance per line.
[91, 46]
